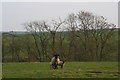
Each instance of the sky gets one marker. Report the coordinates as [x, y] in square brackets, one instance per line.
[15, 14]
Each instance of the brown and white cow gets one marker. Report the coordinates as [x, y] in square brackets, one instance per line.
[55, 62]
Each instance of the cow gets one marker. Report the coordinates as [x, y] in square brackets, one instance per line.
[55, 62]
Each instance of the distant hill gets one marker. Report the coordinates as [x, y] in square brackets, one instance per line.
[24, 32]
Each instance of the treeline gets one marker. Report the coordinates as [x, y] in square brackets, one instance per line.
[80, 37]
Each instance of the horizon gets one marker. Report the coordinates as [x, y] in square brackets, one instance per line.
[45, 31]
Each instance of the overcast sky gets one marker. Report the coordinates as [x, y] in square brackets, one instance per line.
[14, 14]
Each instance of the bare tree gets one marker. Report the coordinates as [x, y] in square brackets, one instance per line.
[85, 30]
[53, 30]
[97, 25]
[43, 37]
[105, 34]
[40, 35]
[72, 27]
[32, 28]
[61, 43]
[85, 22]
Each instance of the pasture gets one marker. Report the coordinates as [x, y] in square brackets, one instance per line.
[70, 70]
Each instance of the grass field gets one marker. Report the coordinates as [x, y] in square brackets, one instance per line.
[70, 70]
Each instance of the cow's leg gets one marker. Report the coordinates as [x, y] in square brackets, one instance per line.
[56, 66]
[61, 65]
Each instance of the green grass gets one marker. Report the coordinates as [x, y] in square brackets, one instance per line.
[70, 70]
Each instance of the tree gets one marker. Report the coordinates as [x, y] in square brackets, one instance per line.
[72, 28]
[53, 30]
[40, 35]
[32, 28]
[87, 37]
[61, 43]
[101, 31]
